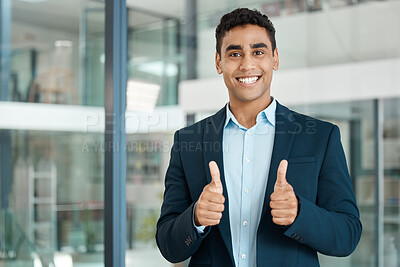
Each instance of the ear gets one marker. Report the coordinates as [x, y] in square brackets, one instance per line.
[218, 63]
[276, 59]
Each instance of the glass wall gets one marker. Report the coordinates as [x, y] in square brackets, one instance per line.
[147, 160]
[57, 52]
[154, 59]
[52, 177]
[154, 48]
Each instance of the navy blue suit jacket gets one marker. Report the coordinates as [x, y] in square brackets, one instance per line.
[328, 219]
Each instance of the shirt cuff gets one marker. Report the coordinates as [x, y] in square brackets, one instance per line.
[200, 229]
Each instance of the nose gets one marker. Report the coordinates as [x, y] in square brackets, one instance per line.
[247, 63]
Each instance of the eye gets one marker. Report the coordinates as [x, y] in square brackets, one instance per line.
[258, 53]
[234, 54]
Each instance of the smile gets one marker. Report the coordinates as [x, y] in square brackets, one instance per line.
[248, 80]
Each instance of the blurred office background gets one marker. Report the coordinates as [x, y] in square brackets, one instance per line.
[339, 61]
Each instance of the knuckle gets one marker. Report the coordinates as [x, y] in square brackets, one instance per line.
[272, 204]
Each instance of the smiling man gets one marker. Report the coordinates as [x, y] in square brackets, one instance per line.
[278, 192]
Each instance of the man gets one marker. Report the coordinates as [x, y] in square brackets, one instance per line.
[256, 184]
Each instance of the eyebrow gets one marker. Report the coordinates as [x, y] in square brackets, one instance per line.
[258, 45]
[234, 47]
[253, 46]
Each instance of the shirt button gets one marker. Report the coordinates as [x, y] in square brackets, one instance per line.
[246, 190]
[247, 160]
[243, 256]
[245, 223]
[248, 133]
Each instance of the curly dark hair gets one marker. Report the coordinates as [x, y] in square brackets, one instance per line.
[243, 16]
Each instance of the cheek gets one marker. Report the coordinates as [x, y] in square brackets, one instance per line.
[227, 78]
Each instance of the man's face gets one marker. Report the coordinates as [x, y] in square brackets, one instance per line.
[247, 63]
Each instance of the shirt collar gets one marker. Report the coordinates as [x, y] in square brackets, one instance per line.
[268, 113]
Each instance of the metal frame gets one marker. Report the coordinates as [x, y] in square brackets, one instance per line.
[83, 36]
[115, 139]
[5, 41]
[5, 135]
[83, 50]
[379, 182]
[191, 39]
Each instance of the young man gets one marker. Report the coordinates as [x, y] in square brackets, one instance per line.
[256, 184]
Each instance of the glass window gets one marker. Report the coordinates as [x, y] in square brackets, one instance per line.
[155, 54]
[51, 147]
[57, 52]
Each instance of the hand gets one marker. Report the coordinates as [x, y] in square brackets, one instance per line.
[210, 205]
[284, 204]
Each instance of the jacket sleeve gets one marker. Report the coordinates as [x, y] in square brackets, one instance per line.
[331, 225]
[176, 235]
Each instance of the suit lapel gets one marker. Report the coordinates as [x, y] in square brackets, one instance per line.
[213, 150]
[285, 130]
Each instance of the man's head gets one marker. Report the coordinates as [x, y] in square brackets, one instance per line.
[246, 56]
[242, 17]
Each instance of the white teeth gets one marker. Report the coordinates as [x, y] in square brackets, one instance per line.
[248, 80]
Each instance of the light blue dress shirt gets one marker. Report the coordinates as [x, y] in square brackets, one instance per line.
[247, 156]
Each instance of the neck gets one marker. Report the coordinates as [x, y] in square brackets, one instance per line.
[246, 112]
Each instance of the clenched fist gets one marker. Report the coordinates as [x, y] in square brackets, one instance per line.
[284, 204]
[210, 204]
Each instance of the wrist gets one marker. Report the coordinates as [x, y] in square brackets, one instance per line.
[195, 219]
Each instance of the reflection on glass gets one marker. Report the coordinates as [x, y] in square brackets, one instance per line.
[52, 182]
[155, 52]
[57, 52]
[56, 205]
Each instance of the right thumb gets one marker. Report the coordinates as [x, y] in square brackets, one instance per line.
[215, 176]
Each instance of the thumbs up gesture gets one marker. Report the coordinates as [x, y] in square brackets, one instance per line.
[210, 205]
[284, 204]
